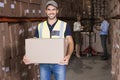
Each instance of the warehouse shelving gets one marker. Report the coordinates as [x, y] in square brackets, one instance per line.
[20, 19]
[116, 17]
[28, 19]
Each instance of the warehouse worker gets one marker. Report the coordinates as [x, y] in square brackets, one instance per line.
[78, 37]
[104, 27]
[54, 28]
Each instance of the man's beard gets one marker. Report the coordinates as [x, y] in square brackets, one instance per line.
[51, 18]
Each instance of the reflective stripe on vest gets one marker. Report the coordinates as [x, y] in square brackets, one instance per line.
[57, 32]
[40, 29]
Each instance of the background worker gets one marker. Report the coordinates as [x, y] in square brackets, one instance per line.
[78, 37]
[104, 27]
[54, 28]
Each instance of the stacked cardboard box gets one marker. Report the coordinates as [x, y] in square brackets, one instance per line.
[114, 11]
[115, 39]
[2, 8]
[35, 10]
[5, 51]
[31, 8]
[100, 7]
[20, 8]
[43, 2]
[114, 8]
[24, 1]
[71, 9]
[35, 1]
[12, 49]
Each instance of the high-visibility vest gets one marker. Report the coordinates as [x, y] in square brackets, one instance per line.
[57, 32]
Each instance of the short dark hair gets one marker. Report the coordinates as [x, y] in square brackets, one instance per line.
[103, 16]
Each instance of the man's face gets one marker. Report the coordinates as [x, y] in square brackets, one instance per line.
[51, 12]
[78, 18]
[101, 18]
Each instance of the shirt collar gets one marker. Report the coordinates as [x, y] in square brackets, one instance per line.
[53, 24]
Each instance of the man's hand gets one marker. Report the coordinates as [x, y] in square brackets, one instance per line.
[70, 48]
[26, 60]
[65, 61]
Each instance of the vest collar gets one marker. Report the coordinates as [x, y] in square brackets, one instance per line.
[53, 24]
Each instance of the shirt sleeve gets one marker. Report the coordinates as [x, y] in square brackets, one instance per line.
[68, 31]
[36, 33]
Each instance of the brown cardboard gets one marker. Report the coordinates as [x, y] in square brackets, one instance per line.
[7, 10]
[34, 10]
[5, 41]
[24, 9]
[2, 5]
[35, 1]
[14, 10]
[38, 10]
[24, 1]
[45, 50]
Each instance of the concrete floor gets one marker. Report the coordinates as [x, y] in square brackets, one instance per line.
[89, 68]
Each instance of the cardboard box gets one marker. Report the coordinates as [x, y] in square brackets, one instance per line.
[35, 10]
[45, 50]
[28, 1]
[2, 5]
[24, 9]
[35, 1]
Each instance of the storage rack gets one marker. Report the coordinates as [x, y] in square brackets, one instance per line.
[20, 19]
[89, 50]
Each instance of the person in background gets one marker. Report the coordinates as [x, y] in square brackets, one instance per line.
[78, 37]
[54, 28]
[104, 27]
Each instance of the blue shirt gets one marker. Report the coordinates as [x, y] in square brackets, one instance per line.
[67, 31]
[104, 28]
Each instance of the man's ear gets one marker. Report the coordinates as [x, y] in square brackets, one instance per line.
[57, 11]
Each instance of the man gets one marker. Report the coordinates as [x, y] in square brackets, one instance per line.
[54, 28]
[104, 27]
[78, 37]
